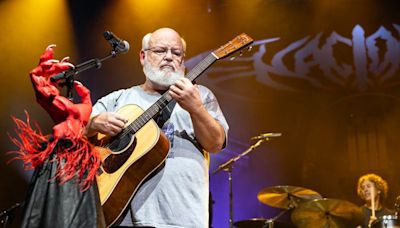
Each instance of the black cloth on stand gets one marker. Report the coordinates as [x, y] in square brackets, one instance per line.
[50, 204]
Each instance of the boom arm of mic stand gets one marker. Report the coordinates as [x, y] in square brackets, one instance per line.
[229, 163]
[82, 67]
[67, 75]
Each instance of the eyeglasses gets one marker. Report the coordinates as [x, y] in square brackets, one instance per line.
[162, 51]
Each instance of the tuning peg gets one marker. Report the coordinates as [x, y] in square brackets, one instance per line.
[232, 58]
[240, 53]
[249, 48]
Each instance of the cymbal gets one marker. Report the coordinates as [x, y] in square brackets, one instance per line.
[286, 196]
[332, 213]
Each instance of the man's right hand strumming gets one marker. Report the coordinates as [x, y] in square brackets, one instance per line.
[107, 123]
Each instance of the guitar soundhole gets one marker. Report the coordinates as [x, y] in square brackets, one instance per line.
[119, 142]
[124, 149]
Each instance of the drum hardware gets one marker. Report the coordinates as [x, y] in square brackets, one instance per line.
[254, 223]
[389, 221]
[228, 167]
[332, 213]
[7, 216]
[261, 223]
[397, 205]
[386, 221]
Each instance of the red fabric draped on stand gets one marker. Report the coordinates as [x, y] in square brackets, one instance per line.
[75, 155]
[63, 191]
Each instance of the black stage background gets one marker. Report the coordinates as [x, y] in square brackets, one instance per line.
[323, 73]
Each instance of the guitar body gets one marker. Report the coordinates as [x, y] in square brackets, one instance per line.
[128, 168]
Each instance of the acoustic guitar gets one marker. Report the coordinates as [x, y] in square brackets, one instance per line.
[131, 156]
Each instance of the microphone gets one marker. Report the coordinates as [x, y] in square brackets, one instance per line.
[117, 44]
[266, 135]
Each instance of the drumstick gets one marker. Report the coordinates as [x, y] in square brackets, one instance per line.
[372, 218]
[373, 202]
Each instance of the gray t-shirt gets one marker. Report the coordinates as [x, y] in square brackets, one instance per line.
[177, 195]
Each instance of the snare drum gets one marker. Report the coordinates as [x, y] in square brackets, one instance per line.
[387, 221]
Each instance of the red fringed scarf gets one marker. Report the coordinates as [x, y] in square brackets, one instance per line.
[79, 159]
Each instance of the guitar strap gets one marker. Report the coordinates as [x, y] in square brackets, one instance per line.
[165, 114]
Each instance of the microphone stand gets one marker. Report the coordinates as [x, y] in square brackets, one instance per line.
[7, 216]
[67, 75]
[228, 167]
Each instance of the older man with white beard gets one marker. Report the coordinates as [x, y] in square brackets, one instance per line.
[177, 194]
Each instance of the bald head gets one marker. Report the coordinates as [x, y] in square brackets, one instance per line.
[164, 35]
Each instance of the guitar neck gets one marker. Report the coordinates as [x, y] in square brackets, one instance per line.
[164, 100]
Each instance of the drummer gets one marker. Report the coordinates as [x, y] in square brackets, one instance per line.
[373, 190]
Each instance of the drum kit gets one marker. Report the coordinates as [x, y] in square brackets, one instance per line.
[308, 209]
[387, 221]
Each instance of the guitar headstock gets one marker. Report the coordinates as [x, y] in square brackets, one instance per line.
[239, 42]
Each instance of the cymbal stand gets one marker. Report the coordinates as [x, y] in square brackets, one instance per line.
[268, 221]
[228, 167]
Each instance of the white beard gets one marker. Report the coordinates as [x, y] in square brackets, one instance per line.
[163, 78]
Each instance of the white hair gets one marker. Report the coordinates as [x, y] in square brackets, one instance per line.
[145, 41]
